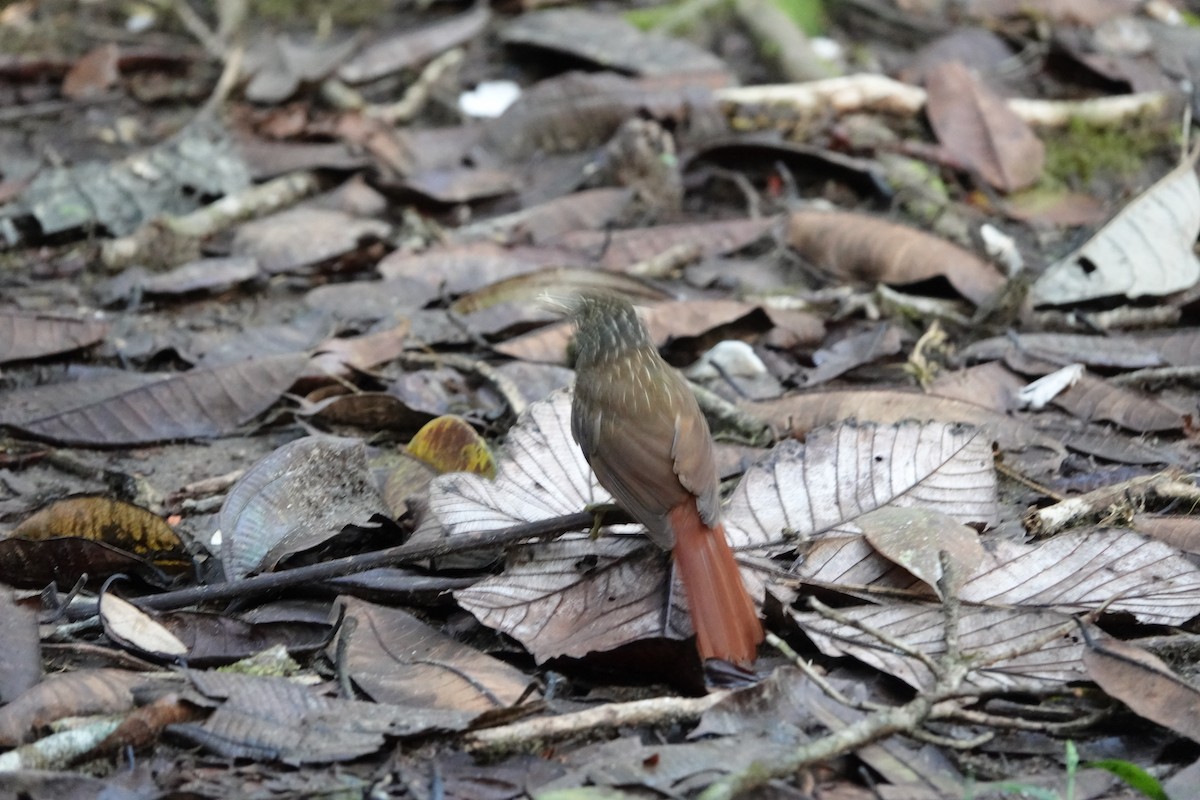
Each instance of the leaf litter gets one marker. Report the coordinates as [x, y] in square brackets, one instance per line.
[912, 519]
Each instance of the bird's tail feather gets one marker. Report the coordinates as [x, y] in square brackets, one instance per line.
[723, 615]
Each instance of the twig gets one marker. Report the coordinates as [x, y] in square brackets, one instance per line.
[1158, 375]
[656, 711]
[811, 673]
[869, 92]
[949, 672]
[168, 232]
[1049, 520]
[340, 567]
[898, 645]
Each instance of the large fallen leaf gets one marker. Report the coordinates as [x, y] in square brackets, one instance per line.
[297, 497]
[137, 410]
[982, 632]
[21, 656]
[863, 248]
[977, 127]
[398, 659]
[917, 538]
[799, 413]
[845, 471]
[1145, 250]
[1020, 592]
[1141, 680]
[301, 237]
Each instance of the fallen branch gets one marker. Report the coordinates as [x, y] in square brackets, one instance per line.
[879, 93]
[275, 581]
[655, 711]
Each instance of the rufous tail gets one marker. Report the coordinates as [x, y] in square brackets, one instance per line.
[723, 615]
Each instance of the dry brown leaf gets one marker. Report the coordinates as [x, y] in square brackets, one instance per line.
[845, 471]
[408, 47]
[859, 247]
[609, 41]
[72, 694]
[982, 631]
[1178, 531]
[94, 74]
[797, 414]
[137, 409]
[301, 237]
[101, 519]
[24, 335]
[463, 268]
[21, 655]
[276, 719]
[1144, 683]
[340, 356]
[400, 660]
[1091, 398]
[979, 129]
[853, 351]
[617, 250]
[916, 538]
[991, 385]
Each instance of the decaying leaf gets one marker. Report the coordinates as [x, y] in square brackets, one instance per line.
[542, 474]
[299, 496]
[24, 335]
[1143, 682]
[863, 248]
[103, 519]
[1021, 593]
[916, 538]
[799, 413]
[398, 659]
[609, 41]
[450, 444]
[298, 238]
[276, 719]
[97, 691]
[1145, 250]
[21, 657]
[845, 471]
[409, 48]
[982, 632]
[979, 128]
[138, 409]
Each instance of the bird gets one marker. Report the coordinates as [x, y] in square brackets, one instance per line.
[642, 432]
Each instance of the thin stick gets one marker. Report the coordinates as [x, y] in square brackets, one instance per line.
[340, 567]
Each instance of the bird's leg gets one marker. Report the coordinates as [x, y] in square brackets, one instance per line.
[598, 510]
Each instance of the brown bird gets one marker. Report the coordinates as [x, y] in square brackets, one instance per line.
[642, 431]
